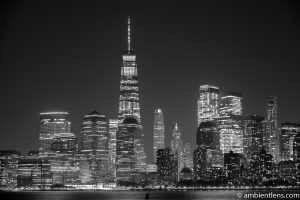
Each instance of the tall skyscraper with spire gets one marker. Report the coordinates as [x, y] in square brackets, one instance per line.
[177, 145]
[130, 154]
[129, 104]
[271, 135]
[158, 132]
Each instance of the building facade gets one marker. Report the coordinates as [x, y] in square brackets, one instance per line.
[208, 103]
[287, 137]
[129, 103]
[271, 136]
[130, 156]
[208, 153]
[229, 123]
[94, 145]
[177, 146]
[51, 123]
[158, 132]
[167, 167]
[113, 128]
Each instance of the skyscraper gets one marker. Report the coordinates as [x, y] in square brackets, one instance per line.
[187, 155]
[130, 130]
[288, 135]
[64, 167]
[229, 123]
[129, 104]
[177, 145]
[253, 135]
[51, 123]
[167, 167]
[207, 154]
[232, 167]
[130, 155]
[271, 136]
[158, 132]
[113, 128]
[208, 103]
[94, 144]
[253, 142]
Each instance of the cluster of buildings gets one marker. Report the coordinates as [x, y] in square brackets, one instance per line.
[231, 149]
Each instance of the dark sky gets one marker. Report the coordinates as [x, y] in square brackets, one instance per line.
[66, 56]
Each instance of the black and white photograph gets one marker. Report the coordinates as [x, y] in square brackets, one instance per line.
[139, 99]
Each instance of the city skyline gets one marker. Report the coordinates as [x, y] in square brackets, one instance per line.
[63, 95]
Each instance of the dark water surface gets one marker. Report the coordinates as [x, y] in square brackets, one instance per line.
[95, 195]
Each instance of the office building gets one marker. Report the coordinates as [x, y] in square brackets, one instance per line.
[208, 103]
[112, 129]
[158, 132]
[177, 146]
[51, 123]
[167, 167]
[129, 103]
[287, 137]
[229, 123]
[130, 155]
[271, 133]
[94, 145]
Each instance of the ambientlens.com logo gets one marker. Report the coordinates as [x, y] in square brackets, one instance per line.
[270, 195]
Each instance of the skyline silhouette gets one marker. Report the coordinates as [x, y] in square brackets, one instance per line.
[61, 56]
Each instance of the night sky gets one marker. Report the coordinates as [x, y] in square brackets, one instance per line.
[66, 56]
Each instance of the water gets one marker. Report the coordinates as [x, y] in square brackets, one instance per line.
[123, 195]
[134, 195]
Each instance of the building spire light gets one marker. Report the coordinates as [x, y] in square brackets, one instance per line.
[128, 35]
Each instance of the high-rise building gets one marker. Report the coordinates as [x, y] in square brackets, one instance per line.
[229, 123]
[231, 104]
[177, 146]
[64, 143]
[94, 145]
[207, 154]
[232, 166]
[64, 166]
[265, 166]
[253, 142]
[167, 167]
[158, 132]
[271, 133]
[51, 123]
[253, 135]
[187, 156]
[288, 134]
[113, 128]
[130, 155]
[129, 103]
[208, 103]
[296, 154]
[8, 168]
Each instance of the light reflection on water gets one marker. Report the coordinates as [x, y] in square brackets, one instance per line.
[123, 195]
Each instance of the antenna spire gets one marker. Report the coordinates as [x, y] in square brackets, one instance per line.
[128, 35]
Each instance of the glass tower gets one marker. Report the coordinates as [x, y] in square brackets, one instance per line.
[177, 146]
[113, 128]
[158, 132]
[208, 103]
[289, 131]
[129, 92]
[52, 123]
[94, 145]
[229, 123]
[271, 136]
[130, 156]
